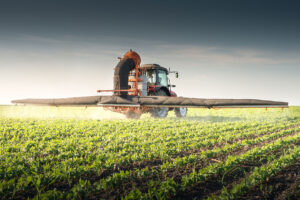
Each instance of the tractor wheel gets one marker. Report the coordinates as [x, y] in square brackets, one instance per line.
[132, 115]
[180, 112]
[159, 112]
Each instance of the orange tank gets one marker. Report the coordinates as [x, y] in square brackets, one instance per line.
[133, 55]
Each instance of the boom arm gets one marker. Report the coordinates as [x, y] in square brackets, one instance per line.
[153, 101]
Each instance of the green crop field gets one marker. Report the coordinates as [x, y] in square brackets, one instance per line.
[86, 153]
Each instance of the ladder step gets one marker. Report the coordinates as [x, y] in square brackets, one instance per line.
[133, 80]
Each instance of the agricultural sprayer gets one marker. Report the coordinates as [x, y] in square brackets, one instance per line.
[145, 88]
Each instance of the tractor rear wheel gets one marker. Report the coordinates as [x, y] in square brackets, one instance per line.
[132, 115]
[180, 112]
[159, 112]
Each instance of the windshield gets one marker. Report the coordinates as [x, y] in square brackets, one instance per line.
[162, 78]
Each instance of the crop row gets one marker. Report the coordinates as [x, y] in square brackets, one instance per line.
[52, 177]
[168, 188]
[148, 158]
[117, 179]
[259, 175]
[71, 156]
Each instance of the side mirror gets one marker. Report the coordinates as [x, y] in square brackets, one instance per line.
[176, 74]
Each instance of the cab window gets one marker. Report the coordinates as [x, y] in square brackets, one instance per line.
[151, 76]
[162, 78]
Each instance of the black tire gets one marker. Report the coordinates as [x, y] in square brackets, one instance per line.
[132, 115]
[159, 112]
[181, 112]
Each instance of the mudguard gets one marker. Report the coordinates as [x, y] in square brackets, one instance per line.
[165, 89]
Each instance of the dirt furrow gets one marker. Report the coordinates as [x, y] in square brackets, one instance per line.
[284, 185]
[176, 173]
[216, 183]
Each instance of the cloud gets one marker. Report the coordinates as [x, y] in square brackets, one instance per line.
[227, 55]
[114, 46]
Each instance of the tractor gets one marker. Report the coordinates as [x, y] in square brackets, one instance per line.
[158, 84]
[134, 79]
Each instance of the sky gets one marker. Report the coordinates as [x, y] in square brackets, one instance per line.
[222, 49]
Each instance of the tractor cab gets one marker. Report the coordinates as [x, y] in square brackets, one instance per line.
[157, 76]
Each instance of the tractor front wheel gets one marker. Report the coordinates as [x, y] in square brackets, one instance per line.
[159, 112]
[180, 112]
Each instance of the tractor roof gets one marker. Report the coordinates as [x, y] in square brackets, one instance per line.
[153, 66]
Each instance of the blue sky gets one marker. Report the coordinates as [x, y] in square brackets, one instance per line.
[222, 49]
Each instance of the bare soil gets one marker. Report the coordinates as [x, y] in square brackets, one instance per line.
[284, 185]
